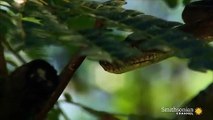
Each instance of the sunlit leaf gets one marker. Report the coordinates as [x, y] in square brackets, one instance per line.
[31, 19]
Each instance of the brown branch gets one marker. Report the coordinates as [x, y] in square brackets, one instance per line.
[202, 101]
[64, 79]
[3, 64]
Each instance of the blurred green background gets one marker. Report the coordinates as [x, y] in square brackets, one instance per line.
[144, 91]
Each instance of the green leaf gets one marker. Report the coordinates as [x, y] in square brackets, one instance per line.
[54, 114]
[171, 3]
[81, 22]
[68, 97]
[186, 2]
[31, 19]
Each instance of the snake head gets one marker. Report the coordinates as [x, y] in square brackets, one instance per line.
[198, 17]
[198, 10]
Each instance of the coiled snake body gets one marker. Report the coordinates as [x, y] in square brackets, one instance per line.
[198, 18]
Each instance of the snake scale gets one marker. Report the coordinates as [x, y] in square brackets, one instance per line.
[198, 18]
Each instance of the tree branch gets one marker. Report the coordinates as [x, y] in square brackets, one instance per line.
[64, 79]
[202, 101]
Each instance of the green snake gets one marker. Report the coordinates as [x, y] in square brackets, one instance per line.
[198, 18]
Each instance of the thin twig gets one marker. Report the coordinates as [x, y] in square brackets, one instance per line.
[62, 112]
[64, 78]
[3, 64]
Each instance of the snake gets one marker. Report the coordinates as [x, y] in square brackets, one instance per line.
[198, 18]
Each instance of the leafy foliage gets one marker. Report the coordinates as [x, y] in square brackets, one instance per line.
[53, 23]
